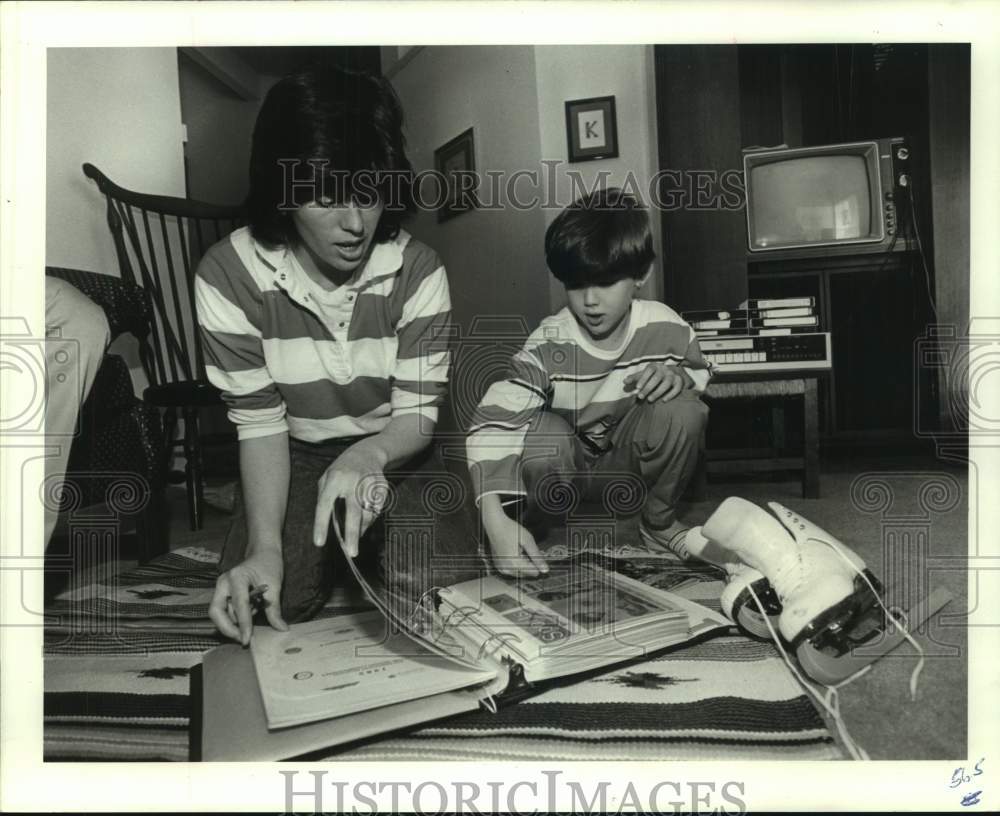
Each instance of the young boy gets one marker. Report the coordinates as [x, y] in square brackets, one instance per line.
[608, 385]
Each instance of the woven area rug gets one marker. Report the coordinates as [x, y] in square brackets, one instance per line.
[118, 659]
[119, 655]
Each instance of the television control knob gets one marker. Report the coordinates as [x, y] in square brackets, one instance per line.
[890, 231]
[889, 196]
[902, 153]
[904, 180]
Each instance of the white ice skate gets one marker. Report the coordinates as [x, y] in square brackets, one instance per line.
[790, 580]
[745, 587]
[827, 600]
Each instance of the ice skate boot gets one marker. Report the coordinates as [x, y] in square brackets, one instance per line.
[829, 599]
[745, 587]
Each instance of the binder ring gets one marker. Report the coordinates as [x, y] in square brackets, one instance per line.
[419, 603]
[468, 610]
[503, 637]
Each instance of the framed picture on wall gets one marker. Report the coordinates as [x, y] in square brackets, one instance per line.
[456, 164]
[591, 129]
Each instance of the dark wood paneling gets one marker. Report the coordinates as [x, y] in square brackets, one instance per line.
[760, 95]
[874, 332]
[698, 126]
[814, 78]
[948, 75]
[791, 101]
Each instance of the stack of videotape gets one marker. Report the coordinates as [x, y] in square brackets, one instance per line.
[756, 317]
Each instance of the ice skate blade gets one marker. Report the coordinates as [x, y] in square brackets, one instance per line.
[826, 666]
[854, 620]
[748, 615]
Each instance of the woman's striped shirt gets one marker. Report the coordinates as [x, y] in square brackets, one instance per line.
[291, 356]
[560, 370]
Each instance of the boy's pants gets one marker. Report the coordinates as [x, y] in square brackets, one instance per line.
[422, 539]
[656, 442]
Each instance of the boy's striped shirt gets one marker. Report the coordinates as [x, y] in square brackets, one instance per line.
[290, 356]
[560, 370]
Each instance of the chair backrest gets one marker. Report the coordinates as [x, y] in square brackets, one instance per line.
[159, 241]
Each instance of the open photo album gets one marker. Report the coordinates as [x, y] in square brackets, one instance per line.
[483, 642]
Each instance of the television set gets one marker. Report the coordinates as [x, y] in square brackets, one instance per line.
[839, 199]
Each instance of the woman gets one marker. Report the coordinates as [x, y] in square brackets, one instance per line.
[325, 325]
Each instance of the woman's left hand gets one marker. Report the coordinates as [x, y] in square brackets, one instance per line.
[357, 478]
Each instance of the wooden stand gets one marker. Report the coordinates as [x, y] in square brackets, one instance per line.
[775, 387]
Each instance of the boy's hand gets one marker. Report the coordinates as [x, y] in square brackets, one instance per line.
[658, 381]
[514, 549]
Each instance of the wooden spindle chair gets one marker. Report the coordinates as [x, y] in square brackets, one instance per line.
[159, 241]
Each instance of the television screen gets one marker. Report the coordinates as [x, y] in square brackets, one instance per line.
[811, 200]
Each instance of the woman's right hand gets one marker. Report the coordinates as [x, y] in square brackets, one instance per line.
[231, 610]
[514, 549]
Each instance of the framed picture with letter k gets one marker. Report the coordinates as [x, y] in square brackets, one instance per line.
[591, 129]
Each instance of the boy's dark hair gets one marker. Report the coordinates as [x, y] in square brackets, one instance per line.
[600, 238]
[327, 132]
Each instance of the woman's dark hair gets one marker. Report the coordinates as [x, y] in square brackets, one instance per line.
[327, 132]
[600, 238]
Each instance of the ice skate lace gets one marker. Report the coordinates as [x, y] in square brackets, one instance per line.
[790, 574]
[787, 577]
[785, 581]
[889, 616]
[830, 701]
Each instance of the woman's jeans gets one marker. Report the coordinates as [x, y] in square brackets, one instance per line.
[421, 540]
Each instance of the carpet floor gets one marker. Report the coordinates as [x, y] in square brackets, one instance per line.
[908, 520]
[119, 656]
[910, 526]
